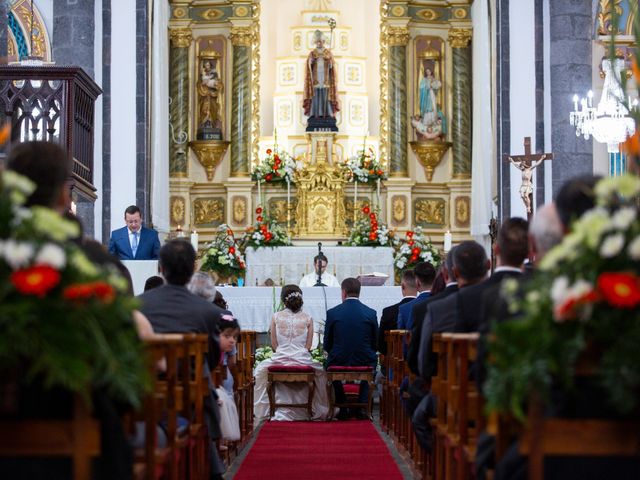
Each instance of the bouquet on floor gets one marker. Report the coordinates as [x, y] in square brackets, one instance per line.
[414, 248]
[266, 232]
[364, 167]
[582, 306]
[223, 255]
[276, 167]
[367, 231]
[64, 320]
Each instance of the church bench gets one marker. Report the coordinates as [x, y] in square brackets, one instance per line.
[77, 438]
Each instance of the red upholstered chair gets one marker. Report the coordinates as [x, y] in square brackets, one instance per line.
[290, 374]
[346, 373]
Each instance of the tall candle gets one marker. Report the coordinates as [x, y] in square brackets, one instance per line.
[378, 193]
[288, 193]
[194, 240]
[355, 195]
[447, 241]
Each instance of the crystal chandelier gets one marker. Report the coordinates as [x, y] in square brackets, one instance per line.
[609, 122]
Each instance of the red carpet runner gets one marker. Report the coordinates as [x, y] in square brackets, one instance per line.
[318, 450]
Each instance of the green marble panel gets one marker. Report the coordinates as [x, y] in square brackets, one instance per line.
[178, 111]
[461, 118]
[240, 111]
[398, 111]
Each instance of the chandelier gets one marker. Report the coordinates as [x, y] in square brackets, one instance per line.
[610, 121]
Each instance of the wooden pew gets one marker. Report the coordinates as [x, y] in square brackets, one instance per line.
[77, 438]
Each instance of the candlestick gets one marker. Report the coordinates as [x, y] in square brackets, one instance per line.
[275, 140]
[355, 201]
[288, 205]
[194, 240]
[259, 196]
[179, 232]
[447, 241]
[378, 192]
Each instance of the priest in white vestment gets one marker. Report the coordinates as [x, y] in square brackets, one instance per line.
[310, 280]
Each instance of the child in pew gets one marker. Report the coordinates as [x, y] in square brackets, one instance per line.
[229, 424]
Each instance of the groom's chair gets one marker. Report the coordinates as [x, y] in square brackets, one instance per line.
[290, 374]
[350, 374]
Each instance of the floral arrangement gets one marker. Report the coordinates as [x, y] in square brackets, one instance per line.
[584, 304]
[223, 255]
[262, 354]
[64, 321]
[265, 232]
[414, 248]
[275, 167]
[364, 167]
[367, 231]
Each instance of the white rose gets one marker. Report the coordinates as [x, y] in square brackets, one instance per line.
[52, 255]
[17, 254]
[623, 218]
[559, 289]
[634, 248]
[612, 245]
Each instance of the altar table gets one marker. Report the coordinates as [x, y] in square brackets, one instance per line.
[254, 306]
[290, 264]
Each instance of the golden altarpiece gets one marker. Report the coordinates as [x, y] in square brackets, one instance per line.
[236, 75]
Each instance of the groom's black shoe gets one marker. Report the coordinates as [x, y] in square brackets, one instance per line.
[343, 415]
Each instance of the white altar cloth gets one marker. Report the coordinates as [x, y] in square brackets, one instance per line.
[254, 306]
[291, 263]
[140, 270]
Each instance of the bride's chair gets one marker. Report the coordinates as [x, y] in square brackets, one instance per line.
[290, 374]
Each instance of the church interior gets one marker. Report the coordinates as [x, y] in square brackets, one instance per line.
[394, 239]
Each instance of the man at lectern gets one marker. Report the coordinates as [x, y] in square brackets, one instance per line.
[134, 242]
[320, 263]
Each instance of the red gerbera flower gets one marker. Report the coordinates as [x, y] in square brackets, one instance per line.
[366, 209]
[259, 210]
[268, 151]
[619, 289]
[36, 280]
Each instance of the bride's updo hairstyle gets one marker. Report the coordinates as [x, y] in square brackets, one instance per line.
[291, 297]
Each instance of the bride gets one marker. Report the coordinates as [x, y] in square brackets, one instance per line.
[291, 339]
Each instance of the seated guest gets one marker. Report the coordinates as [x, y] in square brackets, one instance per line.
[202, 285]
[575, 197]
[510, 249]
[134, 241]
[425, 274]
[172, 308]
[220, 301]
[470, 265]
[350, 337]
[545, 231]
[320, 263]
[420, 309]
[291, 339]
[389, 319]
[152, 282]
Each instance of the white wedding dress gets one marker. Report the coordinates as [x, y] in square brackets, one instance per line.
[291, 330]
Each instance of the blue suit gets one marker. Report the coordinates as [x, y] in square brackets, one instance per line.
[405, 312]
[148, 244]
[350, 339]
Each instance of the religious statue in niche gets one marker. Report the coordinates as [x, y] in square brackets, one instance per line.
[429, 122]
[320, 96]
[209, 88]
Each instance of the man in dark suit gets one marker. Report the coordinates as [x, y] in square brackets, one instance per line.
[510, 251]
[425, 274]
[350, 336]
[389, 319]
[134, 242]
[172, 308]
[470, 266]
[420, 310]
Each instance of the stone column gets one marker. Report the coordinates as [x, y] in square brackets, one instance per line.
[241, 102]
[74, 25]
[571, 38]
[398, 39]
[460, 39]
[179, 107]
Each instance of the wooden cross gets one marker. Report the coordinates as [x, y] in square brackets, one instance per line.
[526, 164]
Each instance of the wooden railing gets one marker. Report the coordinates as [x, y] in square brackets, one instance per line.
[53, 103]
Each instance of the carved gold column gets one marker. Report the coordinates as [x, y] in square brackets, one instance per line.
[398, 37]
[241, 38]
[179, 105]
[460, 39]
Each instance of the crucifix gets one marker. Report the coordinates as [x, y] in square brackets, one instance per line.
[526, 164]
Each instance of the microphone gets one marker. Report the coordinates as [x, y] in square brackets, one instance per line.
[318, 267]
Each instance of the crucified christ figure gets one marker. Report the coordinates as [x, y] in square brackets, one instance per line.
[526, 189]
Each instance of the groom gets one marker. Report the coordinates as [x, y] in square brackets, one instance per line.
[350, 337]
